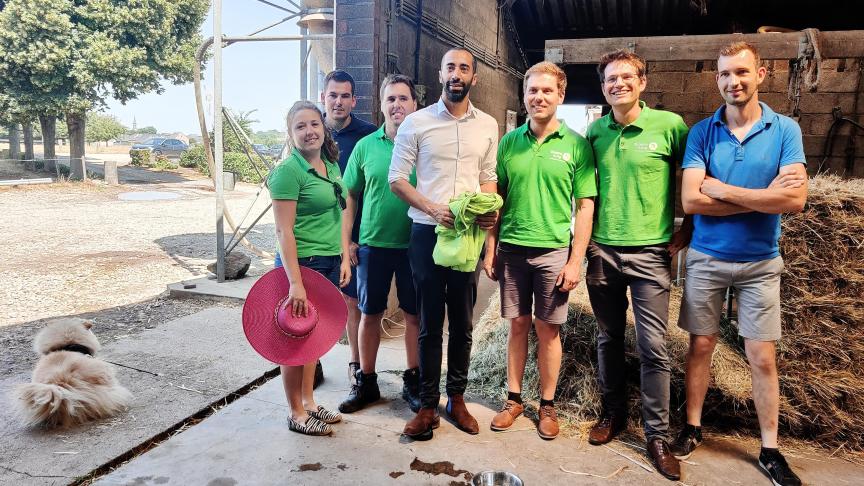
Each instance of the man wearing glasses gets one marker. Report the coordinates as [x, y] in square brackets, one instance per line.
[637, 151]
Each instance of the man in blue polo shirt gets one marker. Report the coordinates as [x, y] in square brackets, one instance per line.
[338, 98]
[743, 167]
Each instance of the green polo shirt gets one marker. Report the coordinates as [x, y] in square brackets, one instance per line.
[540, 181]
[636, 177]
[317, 227]
[385, 222]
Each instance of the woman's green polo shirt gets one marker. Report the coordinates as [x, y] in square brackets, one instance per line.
[317, 227]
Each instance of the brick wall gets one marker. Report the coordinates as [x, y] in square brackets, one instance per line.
[367, 30]
[357, 29]
[689, 89]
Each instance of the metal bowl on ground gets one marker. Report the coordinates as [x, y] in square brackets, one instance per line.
[496, 478]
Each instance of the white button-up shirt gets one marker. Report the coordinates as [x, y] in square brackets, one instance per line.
[452, 155]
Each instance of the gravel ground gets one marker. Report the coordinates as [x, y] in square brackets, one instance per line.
[80, 248]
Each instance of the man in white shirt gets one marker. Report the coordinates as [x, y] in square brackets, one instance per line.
[452, 145]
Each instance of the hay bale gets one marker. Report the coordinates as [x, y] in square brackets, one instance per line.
[578, 395]
[820, 358]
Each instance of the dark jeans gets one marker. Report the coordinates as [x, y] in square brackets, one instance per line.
[325, 265]
[647, 271]
[436, 287]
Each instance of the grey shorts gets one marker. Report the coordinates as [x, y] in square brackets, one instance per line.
[527, 276]
[757, 289]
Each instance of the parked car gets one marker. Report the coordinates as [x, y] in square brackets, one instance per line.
[276, 150]
[261, 149]
[169, 147]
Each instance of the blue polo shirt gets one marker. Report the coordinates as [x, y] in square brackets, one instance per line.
[773, 142]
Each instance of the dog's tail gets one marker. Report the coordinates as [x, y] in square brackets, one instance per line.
[40, 403]
[53, 405]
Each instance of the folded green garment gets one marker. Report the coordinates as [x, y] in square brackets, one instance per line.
[459, 247]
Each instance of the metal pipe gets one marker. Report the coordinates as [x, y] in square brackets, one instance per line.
[265, 2]
[304, 67]
[417, 41]
[286, 19]
[275, 38]
[247, 230]
[313, 78]
[217, 137]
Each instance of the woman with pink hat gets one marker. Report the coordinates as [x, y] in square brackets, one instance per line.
[294, 316]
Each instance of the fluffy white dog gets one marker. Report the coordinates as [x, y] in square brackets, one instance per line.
[70, 385]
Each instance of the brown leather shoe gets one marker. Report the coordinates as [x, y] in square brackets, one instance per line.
[547, 426]
[421, 426]
[664, 461]
[606, 429]
[458, 412]
[508, 414]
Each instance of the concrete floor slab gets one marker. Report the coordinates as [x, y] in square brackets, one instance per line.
[208, 287]
[248, 442]
[199, 358]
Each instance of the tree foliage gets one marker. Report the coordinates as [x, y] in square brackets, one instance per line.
[101, 128]
[148, 130]
[70, 55]
[269, 137]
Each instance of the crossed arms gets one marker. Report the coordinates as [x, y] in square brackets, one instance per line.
[703, 194]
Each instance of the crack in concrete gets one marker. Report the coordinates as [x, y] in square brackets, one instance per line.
[31, 475]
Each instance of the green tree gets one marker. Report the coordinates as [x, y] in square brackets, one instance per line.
[230, 141]
[269, 137]
[147, 130]
[101, 128]
[69, 56]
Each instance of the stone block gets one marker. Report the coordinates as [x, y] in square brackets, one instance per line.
[665, 83]
[778, 102]
[671, 66]
[775, 82]
[839, 82]
[680, 104]
[364, 10]
[111, 177]
[813, 146]
[704, 82]
[825, 102]
[355, 27]
[354, 58]
[355, 42]
[236, 265]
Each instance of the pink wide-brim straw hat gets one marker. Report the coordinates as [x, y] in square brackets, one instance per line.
[287, 340]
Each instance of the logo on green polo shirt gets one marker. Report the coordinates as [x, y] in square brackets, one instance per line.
[645, 146]
[556, 155]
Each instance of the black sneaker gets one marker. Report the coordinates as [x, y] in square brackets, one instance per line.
[363, 393]
[411, 388]
[319, 375]
[687, 441]
[777, 468]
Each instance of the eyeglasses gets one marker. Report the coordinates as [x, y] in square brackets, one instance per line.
[625, 78]
[337, 191]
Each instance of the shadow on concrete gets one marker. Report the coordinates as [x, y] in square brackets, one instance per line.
[186, 248]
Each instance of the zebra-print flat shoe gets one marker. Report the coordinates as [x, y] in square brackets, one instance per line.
[312, 426]
[325, 415]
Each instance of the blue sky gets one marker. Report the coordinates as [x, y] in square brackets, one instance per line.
[261, 75]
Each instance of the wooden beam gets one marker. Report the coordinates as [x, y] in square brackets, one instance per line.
[833, 44]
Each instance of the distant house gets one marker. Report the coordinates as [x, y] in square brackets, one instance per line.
[179, 136]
